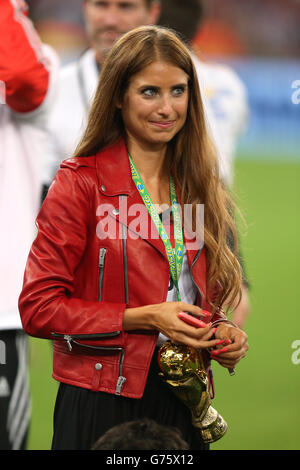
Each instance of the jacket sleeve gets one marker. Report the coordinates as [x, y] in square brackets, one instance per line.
[47, 304]
[24, 66]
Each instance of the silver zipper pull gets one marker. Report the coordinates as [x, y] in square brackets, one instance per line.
[120, 383]
[102, 257]
[68, 338]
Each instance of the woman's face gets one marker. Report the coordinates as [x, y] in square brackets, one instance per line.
[155, 104]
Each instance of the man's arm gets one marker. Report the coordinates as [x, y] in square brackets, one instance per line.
[24, 67]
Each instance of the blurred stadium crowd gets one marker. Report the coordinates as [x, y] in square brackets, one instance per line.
[267, 28]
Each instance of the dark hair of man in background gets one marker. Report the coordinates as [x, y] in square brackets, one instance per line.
[187, 25]
[143, 434]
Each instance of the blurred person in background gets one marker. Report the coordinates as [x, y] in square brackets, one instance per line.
[27, 70]
[106, 21]
[225, 99]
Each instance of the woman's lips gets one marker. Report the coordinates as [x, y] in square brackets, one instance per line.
[163, 124]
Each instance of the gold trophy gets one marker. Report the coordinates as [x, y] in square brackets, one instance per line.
[183, 370]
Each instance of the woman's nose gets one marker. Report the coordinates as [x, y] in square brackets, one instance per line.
[165, 105]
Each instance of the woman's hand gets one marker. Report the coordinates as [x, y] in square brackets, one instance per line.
[164, 318]
[234, 348]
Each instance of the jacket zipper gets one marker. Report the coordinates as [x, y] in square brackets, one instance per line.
[121, 379]
[124, 247]
[102, 254]
[72, 339]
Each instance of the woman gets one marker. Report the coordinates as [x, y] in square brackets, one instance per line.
[97, 276]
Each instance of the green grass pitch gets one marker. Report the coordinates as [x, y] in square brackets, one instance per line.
[261, 402]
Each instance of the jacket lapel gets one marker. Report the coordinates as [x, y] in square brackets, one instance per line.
[114, 179]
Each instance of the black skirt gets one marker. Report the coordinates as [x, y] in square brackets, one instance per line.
[82, 416]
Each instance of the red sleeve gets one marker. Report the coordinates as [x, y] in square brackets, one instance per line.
[23, 66]
[47, 302]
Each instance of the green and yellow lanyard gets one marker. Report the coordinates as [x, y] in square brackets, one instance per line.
[175, 257]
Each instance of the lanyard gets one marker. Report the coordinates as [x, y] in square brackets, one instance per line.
[175, 257]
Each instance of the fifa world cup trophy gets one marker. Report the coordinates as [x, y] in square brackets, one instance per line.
[183, 370]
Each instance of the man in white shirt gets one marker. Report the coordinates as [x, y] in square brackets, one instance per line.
[27, 80]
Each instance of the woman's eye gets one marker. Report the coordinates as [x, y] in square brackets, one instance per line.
[149, 92]
[152, 91]
[178, 91]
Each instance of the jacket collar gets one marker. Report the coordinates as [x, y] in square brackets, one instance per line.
[113, 170]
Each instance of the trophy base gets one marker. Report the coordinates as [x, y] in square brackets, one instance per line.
[212, 426]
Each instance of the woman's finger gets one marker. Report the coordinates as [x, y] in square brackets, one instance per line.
[196, 343]
[194, 310]
[227, 359]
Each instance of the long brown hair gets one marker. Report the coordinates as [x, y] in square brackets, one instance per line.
[193, 160]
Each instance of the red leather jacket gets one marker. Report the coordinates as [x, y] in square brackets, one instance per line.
[78, 282]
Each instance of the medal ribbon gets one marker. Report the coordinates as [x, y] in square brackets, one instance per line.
[175, 257]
